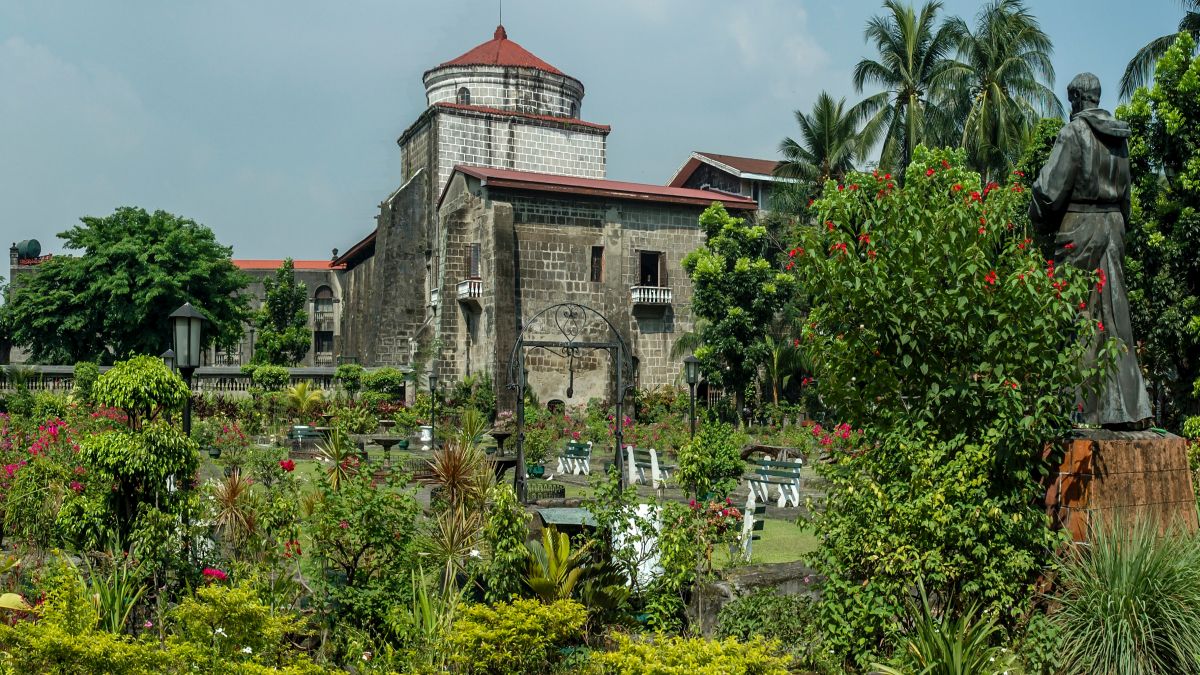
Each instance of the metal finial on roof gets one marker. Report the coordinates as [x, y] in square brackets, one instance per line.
[500, 33]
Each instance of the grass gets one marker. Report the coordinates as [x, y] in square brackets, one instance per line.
[782, 541]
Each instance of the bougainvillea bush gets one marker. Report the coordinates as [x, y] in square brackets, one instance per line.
[938, 328]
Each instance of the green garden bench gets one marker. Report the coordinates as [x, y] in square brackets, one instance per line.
[768, 475]
[644, 467]
[576, 458]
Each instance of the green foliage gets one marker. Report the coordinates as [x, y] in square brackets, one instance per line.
[117, 593]
[711, 464]
[1161, 269]
[112, 300]
[355, 419]
[736, 292]
[1130, 602]
[231, 624]
[32, 647]
[389, 382]
[519, 637]
[283, 334]
[506, 529]
[304, 400]
[950, 642]
[553, 568]
[959, 366]
[349, 376]
[143, 387]
[270, 378]
[790, 620]
[86, 374]
[829, 142]
[664, 654]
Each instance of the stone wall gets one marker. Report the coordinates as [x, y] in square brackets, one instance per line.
[519, 89]
[520, 144]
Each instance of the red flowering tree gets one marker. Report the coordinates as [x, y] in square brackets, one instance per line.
[937, 327]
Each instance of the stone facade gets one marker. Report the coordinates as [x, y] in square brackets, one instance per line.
[527, 90]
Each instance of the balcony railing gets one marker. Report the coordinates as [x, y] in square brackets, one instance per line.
[323, 321]
[650, 295]
[227, 360]
[470, 290]
[321, 359]
[435, 297]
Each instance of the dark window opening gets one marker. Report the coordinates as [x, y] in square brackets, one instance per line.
[472, 261]
[464, 96]
[574, 109]
[323, 340]
[323, 300]
[597, 264]
[650, 272]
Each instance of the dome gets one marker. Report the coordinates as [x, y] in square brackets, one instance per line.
[500, 51]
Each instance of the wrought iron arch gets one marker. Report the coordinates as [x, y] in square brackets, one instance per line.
[569, 333]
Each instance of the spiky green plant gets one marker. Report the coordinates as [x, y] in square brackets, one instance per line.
[340, 455]
[950, 642]
[304, 400]
[116, 594]
[554, 568]
[1130, 601]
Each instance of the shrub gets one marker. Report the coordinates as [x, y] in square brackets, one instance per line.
[350, 377]
[521, 637]
[230, 624]
[938, 327]
[766, 613]
[669, 654]
[270, 378]
[354, 419]
[711, 464]
[143, 387]
[1130, 602]
[86, 374]
[386, 381]
[506, 529]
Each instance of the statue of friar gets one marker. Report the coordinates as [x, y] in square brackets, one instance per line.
[1084, 190]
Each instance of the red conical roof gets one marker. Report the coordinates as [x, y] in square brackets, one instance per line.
[500, 51]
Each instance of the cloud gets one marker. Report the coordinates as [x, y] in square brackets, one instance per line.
[772, 36]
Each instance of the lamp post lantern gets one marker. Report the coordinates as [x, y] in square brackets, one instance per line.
[168, 358]
[691, 372]
[187, 324]
[433, 397]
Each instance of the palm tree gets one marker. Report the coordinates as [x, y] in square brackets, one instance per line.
[780, 365]
[1141, 66]
[829, 142]
[914, 69]
[1003, 83]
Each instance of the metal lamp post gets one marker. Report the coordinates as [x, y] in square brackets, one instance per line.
[168, 358]
[691, 372]
[433, 397]
[187, 324]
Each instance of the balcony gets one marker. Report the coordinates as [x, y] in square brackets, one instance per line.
[323, 359]
[650, 296]
[323, 321]
[470, 291]
[435, 297]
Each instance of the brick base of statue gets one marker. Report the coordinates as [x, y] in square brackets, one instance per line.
[1124, 473]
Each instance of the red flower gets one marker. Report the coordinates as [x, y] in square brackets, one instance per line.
[829, 225]
[1102, 280]
[287, 465]
[1100, 325]
[810, 202]
[990, 278]
[956, 187]
[864, 238]
[929, 172]
[796, 342]
[214, 574]
[871, 253]
[841, 187]
[975, 196]
[1011, 384]
[76, 486]
[789, 266]
[945, 164]
[1020, 173]
[1070, 246]
[982, 220]
[792, 253]
[853, 186]
[887, 176]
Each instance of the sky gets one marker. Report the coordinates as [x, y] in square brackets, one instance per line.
[274, 122]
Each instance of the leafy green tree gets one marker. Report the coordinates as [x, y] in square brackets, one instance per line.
[829, 142]
[112, 301]
[283, 334]
[1161, 267]
[1141, 66]
[1003, 82]
[915, 71]
[736, 291]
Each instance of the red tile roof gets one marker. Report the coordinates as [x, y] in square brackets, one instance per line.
[570, 121]
[544, 182]
[365, 248]
[500, 51]
[276, 264]
[740, 165]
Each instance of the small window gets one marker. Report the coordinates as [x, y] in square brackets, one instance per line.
[472, 260]
[597, 264]
[464, 96]
[650, 272]
[574, 109]
[323, 300]
[324, 341]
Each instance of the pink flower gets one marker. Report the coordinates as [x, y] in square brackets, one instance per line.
[214, 574]
[287, 465]
[344, 525]
[76, 486]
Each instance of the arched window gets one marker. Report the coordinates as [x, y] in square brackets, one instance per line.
[464, 96]
[323, 301]
[574, 109]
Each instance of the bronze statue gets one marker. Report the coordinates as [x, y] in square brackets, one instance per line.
[1084, 190]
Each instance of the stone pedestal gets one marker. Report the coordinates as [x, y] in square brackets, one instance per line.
[1126, 473]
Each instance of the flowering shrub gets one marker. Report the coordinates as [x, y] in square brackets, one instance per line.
[938, 328]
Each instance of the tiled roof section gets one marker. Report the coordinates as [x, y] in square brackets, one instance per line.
[744, 164]
[569, 121]
[276, 264]
[639, 192]
[500, 51]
